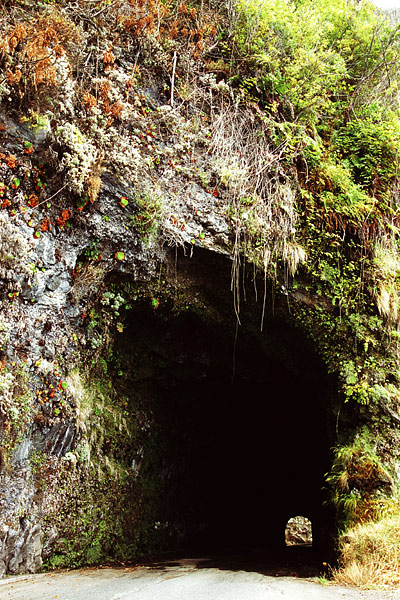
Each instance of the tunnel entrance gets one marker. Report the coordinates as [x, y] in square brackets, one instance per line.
[237, 435]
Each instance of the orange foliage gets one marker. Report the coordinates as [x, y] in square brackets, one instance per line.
[37, 45]
[63, 218]
[116, 109]
[145, 14]
[33, 201]
[108, 59]
[152, 17]
[45, 224]
[16, 37]
[58, 51]
[104, 90]
[13, 78]
[174, 30]
[89, 101]
[65, 30]
[11, 161]
[182, 9]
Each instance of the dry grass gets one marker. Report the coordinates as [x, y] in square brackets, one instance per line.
[88, 278]
[386, 272]
[93, 185]
[263, 199]
[370, 554]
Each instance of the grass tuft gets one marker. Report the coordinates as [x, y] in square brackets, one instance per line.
[370, 554]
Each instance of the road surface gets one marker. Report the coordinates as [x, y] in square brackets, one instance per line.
[186, 579]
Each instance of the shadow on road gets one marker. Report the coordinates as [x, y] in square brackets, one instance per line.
[294, 561]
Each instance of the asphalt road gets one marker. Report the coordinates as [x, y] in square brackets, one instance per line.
[179, 580]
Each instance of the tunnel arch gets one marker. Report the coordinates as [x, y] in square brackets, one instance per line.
[239, 420]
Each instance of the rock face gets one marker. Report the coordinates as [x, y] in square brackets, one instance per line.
[136, 414]
[61, 436]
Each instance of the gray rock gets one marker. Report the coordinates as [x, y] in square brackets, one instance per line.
[26, 546]
[22, 453]
[45, 251]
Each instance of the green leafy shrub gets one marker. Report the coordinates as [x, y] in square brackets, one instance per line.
[369, 145]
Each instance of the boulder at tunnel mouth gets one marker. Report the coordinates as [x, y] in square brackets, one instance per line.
[240, 421]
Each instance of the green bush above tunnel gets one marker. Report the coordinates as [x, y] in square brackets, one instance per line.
[325, 75]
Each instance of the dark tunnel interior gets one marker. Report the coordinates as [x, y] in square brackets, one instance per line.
[240, 432]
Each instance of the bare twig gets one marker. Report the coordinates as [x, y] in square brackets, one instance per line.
[45, 200]
[173, 78]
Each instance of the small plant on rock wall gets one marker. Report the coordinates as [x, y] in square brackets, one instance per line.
[16, 408]
[114, 302]
[92, 252]
[359, 483]
[93, 185]
[146, 220]
[80, 157]
[13, 248]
